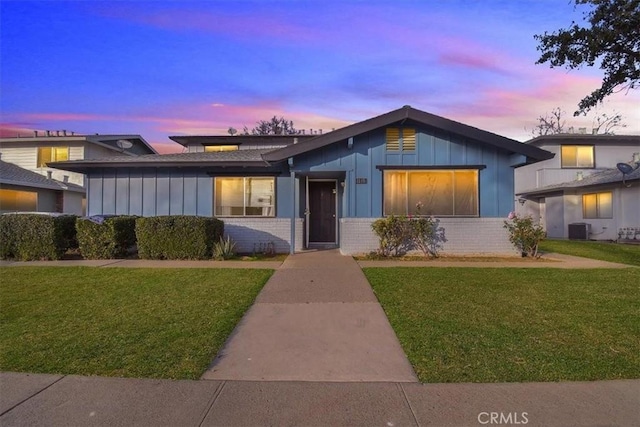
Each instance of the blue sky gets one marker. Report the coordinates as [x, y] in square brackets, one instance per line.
[172, 68]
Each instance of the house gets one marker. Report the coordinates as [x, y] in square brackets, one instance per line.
[302, 191]
[22, 190]
[580, 193]
[27, 183]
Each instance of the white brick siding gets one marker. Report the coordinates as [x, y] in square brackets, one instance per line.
[250, 234]
[466, 236]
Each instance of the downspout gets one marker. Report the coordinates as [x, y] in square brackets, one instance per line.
[292, 246]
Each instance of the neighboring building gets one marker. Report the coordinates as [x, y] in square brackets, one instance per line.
[325, 190]
[22, 190]
[55, 190]
[581, 188]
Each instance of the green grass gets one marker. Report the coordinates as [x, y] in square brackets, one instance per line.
[164, 323]
[511, 325]
[605, 251]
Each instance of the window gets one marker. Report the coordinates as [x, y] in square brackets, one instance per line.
[52, 154]
[253, 196]
[597, 205]
[401, 139]
[220, 147]
[439, 192]
[18, 201]
[577, 156]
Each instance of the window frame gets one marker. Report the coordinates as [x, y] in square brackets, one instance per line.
[244, 196]
[42, 163]
[451, 168]
[598, 207]
[577, 146]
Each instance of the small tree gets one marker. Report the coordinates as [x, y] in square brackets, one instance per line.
[524, 234]
[275, 126]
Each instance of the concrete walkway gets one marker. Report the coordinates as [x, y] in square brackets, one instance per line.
[54, 400]
[316, 319]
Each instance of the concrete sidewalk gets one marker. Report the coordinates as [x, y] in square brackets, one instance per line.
[316, 319]
[54, 400]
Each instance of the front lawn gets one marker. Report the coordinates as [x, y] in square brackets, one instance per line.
[165, 323]
[511, 325]
[605, 251]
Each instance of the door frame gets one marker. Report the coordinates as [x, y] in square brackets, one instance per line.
[308, 213]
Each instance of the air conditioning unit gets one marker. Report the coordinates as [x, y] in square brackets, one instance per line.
[579, 231]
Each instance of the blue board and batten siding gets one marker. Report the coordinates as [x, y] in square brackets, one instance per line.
[154, 192]
[432, 149]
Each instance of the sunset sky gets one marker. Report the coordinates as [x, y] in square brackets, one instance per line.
[160, 68]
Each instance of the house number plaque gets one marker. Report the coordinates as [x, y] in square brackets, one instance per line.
[361, 180]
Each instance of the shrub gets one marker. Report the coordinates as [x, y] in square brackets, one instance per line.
[105, 238]
[399, 234]
[32, 237]
[524, 234]
[427, 235]
[177, 237]
[224, 249]
[393, 232]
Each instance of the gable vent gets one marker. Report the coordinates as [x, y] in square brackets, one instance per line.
[408, 139]
[393, 139]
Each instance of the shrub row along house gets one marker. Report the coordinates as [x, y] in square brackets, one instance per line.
[301, 191]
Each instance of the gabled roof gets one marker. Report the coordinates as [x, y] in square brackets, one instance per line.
[587, 139]
[139, 145]
[399, 116]
[11, 174]
[243, 158]
[604, 177]
[239, 139]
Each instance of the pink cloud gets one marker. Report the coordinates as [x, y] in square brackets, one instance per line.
[237, 25]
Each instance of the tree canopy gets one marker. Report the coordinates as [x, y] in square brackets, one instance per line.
[612, 37]
[275, 126]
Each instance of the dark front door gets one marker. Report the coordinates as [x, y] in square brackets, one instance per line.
[322, 209]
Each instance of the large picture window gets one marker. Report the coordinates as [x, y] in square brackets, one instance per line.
[597, 205]
[438, 192]
[248, 196]
[52, 154]
[577, 156]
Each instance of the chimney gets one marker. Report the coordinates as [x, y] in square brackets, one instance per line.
[48, 133]
[64, 132]
[320, 131]
[594, 131]
[570, 129]
[579, 175]
[57, 133]
[35, 133]
[582, 131]
[73, 133]
[65, 178]
[49, 173]
[311, 131]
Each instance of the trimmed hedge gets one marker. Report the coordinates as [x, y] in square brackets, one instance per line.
[110, 238]
[32, 237]
[177, 237]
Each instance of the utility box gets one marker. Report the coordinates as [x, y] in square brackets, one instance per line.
[579, 231]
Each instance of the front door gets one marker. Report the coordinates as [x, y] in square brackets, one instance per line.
[322, 210]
